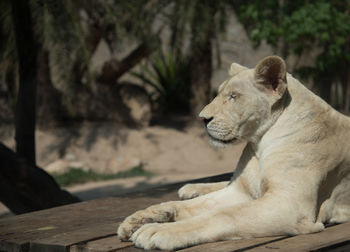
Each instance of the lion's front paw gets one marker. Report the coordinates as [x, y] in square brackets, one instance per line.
[131, 224]
[189, 191]
[158, 213]
[161, 236]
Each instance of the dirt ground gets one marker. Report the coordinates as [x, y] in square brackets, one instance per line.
[175, 150]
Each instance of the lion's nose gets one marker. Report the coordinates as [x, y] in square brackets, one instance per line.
[207, 120]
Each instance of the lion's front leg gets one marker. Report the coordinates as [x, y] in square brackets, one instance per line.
[168, 212]
[268, 216]
[190, 191]
[179, 211]
[209, 227]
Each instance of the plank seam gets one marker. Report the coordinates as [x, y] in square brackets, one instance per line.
[260, 244]
[129, 246]
[90, 240]
[331, 246]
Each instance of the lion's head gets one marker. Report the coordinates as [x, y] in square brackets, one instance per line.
[247, 103]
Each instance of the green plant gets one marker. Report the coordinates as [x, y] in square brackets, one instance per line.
[300, 26]
[169, 76]
[78, 176]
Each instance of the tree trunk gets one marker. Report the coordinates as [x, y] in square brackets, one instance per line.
[345, 81]
[201, 68]
[27, 57]
[323, 85]
[201, 72]
[326, 90]
[25, 187]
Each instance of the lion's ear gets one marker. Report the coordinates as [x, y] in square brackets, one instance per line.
[235, 69]
[271, 72]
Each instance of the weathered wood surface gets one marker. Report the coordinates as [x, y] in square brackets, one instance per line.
[327, 240]
[59, 228]
[91, 227]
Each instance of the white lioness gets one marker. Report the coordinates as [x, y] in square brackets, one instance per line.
[292, 177]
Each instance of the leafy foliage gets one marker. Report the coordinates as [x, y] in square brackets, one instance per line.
[299, 23]
[300, 26]
[169, 77]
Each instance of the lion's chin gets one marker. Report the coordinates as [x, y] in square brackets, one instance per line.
[219, 144]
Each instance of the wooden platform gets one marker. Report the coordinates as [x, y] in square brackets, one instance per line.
[91, 226]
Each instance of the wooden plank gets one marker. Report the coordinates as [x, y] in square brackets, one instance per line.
[62, 241]
[114, 244]
[19, 232]
[330, 238]
[106, 225]
[108, 244]
[259, 244]
[233, 245]
[39, 229]
[22, 229]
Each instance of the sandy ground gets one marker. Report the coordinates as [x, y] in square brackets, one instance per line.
[173, 150]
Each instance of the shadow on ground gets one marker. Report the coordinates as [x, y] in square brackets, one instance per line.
[145, 188]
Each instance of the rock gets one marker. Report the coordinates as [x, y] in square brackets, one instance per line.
[61, 166]
[124, 164]
[70, 157]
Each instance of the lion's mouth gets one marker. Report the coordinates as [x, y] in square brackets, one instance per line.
[223, 141]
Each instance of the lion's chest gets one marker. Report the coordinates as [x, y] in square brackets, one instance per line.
[252, 182]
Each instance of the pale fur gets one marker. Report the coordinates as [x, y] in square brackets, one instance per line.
[292, 177]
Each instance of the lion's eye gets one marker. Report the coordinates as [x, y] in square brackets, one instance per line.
[232, 97]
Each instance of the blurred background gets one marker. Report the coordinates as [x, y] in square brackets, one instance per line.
[101, 97]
